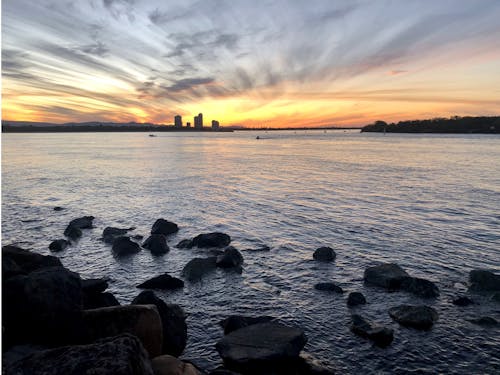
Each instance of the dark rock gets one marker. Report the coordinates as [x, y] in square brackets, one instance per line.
[72, 232]
[262, 248]
[98, 300]
[173, 321]
[386, 275]
[356, 299]
[58, 245]
[137, 237]
[230, 258]
[221, 370]
[324, 254]
[165, 227]
[94, 286]
[84, 222]
[164, 281]
[26, 260]
[120, 355]
[235, 322]
[214, 239]
[58, 208]
[419, 317]
[484, 280]
[495, 297]
[169, 365]
[484, 321]
[125, 246]
[185, 244]
[10, 268]
[19, 352]
[109, 234]
[381, 336]
[196, 268]
[157, 244]
[420, 287]
[258, 344]
[463, 301]
[329, 286]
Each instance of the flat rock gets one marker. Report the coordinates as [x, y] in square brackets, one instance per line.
[124, 246]
[214, 239]
[84, 222]
[58, 245]
[381, 336]
[235, 322]
[329, 286]
[419, 287]
[165, 227]
[356, 299]
[419, 317]
[324, 254]
[164, 281]
[157, 244]
[169, 365]
[484, 281]
[230, 258]
[196, 268]
[386, 275]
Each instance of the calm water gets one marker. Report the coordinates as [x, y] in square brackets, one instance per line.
[430, 203]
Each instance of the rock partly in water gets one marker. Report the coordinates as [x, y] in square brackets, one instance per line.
[419, 287]
[356, 299]
[173, 320]
[58, 208]
[165, 227]
[259, 249]
[484, 321]
[124, 246]
[58, 245]
[157, 244]
[185, 244]
[84, 222]
[169, 365]
[93, 286]
[230, 258]
[495, 297]
[381, 336]
[98, 300]
[109, 234]
[214, 239]
[324, 254]
[484, 281]
[462, 301]
[72, 232]
[120, 355]
[164, 281]
[329, 286]
[419, 317]
[26, 261]
[236, 322]
[196, 268]
[386, 275]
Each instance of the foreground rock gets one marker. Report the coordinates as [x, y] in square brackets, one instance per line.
[356, 299]
[496, 297]
[484, 281]
[173, 321]
[381, 336]
[386, 275]
[157, 244]
[73, 233]
[165, 227]
[125, 246]
[419, 317]
[329, 286]
[256, 345]
[324, 254]
[24, 261]
[109, 234]
[84, 222]
[164, 281]
[94, 295]
[58, 245]
[419, 287]
[168, 365]
[196, 268]
[230, 258]
[236, 322]
[123, 355]
[206, 240]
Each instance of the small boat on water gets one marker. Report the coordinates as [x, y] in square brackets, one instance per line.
[152, 135]
[257, 137]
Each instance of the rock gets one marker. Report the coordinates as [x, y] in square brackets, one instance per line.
[261, 248]
[214, 239]
[419, 317]
[84, 222]
[173, 321]
[495, 297]
[10, 268]
[72, 232]
[58, 208]
[165, 227]
[386, 275]
[123, 355]
[185, 244]
[381, 336]
[109, 234]
[484, 281]
[484, 321]
[324, 254]
[230, 258]
[125, 246]
[25, 260]
[258, 344]
[98, 300]
[168, 365]
[93, 286]
[356, 299]
[157, 244]
[196, 268]
[137, 237]
[420, 287]
[329, 286]
[19, 352]
[235, 322]
[141, 321]
[164, 281]
[58, 245]
[221, 370]
[462, 301]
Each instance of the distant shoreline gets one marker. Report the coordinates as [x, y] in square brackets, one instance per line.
[105, 129]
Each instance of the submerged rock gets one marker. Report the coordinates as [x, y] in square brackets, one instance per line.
[381, 336]
[58, 245]
[73, 232]
[324, 254]
[164, 281]
[214, 239]
[157, 244]
[196, 268]
[185, 244]
[230, 258]
[165, 227]
[419, 317]
[235, 322]
[462, 301]
[484, 321]
[329, 286]
[109, 234]
[84, 222]
[169, 365]
[58, 208]
[484, 281]
[124, 246]
[356, 299]
[386, 275]
[419, 287]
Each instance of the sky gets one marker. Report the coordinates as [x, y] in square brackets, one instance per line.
[254, 63]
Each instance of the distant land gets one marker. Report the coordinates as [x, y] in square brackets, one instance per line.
[456, 124]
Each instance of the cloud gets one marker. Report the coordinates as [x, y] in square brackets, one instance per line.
[189, 84]
[98, 49]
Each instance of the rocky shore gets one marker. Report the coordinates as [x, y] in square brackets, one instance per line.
[55, 322]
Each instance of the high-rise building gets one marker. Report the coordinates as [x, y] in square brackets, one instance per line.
[178, 121]
[188, 124]
[198, 121]
[215, 125]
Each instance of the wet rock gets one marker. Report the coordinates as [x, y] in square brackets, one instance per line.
[58, 208]
[124, 246]
[329, 286]
[98, 300]
[72, 232]
[356, 299]
[165, 227]
[173, 320]
[484, 281]
[185, 244]
[484, 321]
[419, 317]
[258, 344]
[164, 281]
[58, 245]
[221, 370]
[84, 222]
[25, 260]
[236, 322]
[230, 258]
[122, 355]
[142, 321]
[168, 365]
[259, 249]
[419, 287]
[386, 275]
[214, 239]
[462, 301]
[109, 234]
[495, 297]
[324, 254]
[157, 244]
[381, 336]
[137, 237]
[95, 285]
[196, 268]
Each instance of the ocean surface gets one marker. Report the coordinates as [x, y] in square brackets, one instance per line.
[428, 202]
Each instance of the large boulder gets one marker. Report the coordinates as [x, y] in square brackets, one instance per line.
[196, 268]
[164, 281]
[120, 355]
[84, 222]
[214, 239]
[381, 336]
[94, 295]
[169, 365]
[484, 281]
[324, 254]
[420, 287]
[235, 322]
[24, 261]
[329, 287]
[72, 232]
[230, 258]
[92, 286]
[58, 245]
[125, 246]
[141, 321]
[165, 227]
[157, 244]
[386, 275]
[419, 317]
[109, 234]
[173, 321]
[259, 344]
[356, 299]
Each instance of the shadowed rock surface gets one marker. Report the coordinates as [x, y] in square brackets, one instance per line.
[157, 244]
[109, 234]
[58, 245]
[165, 227]
[324, 254]
[386, 275]
[169, 365]
[419, 317]
[419, 287]
[484, 281]
[235, 322]
[164, 281]
[214, 239]
[125, 246]
[84, 222]
[462, 301]
[329, 287]
[230, 258]
[356, 299]
[25, 260]
[381, 336]
[73, 232]
[196, 268]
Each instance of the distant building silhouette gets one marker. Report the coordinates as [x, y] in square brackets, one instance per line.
[215, 125]
[198, 121]
[188, 124]
[178, 121]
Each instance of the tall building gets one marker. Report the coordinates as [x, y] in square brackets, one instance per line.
[178, 121]
[215, 125]
[198, 121]
[188, 124]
